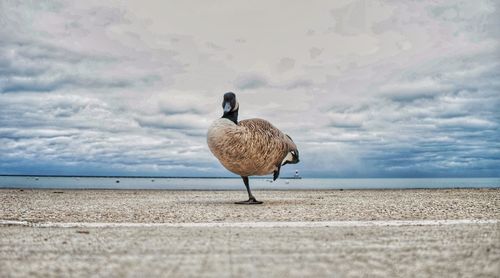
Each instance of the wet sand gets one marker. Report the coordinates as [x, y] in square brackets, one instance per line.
[424, 249]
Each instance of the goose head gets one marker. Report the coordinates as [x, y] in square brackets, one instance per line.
[230, 106]
[229, 103]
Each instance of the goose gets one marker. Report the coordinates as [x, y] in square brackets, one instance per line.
[252, 147]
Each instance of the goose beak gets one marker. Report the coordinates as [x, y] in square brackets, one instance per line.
[227, 107]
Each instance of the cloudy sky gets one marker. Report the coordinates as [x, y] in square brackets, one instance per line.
[365, 88]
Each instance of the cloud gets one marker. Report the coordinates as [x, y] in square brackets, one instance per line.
[315, 52]
[30, 66]
[351, 19]
[437, 126]
[253, 81]
[411, 91]
[285, 64]
[67, 130]
[183, 121]
[343, 120]
[365, 89]
[250, 81]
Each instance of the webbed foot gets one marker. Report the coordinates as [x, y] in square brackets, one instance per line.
[250, 201]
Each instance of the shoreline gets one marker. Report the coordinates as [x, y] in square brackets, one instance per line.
[230, 184]
[243, 189]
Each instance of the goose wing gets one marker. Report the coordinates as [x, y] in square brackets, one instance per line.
[253, 147]
[265, 145]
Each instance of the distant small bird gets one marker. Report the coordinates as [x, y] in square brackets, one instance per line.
[249, 147]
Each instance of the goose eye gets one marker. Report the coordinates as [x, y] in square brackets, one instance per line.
[292, 152]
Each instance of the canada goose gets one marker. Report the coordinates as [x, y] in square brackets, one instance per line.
[249, 147]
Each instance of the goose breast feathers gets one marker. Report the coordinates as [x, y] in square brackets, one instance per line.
[251, 147]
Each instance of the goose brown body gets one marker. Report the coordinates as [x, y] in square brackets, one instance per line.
[251, 147]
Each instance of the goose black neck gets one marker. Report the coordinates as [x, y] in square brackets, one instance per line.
[232, 116]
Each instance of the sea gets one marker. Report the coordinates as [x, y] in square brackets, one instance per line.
[186, 183]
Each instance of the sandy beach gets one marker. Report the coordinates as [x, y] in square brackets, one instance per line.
[349, 233]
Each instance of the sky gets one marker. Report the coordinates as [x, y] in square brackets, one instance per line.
[365, 88]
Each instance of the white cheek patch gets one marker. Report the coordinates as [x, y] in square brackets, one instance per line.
[288, 157]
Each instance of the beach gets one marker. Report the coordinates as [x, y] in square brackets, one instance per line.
[347, 233]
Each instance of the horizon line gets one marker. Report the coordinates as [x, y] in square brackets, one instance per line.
[225, 177]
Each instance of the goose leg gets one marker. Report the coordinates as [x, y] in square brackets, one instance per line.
[276, 173]
[251, 198]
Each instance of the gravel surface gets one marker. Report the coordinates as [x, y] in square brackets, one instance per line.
[158, 206]
[458, 250]
[418, 251]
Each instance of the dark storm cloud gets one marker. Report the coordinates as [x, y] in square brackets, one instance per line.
[437, 129]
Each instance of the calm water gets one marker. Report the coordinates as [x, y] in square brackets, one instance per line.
[237, 184]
